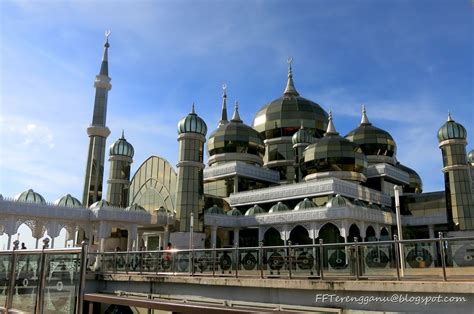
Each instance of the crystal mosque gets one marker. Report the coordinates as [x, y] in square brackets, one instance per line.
[287, 176]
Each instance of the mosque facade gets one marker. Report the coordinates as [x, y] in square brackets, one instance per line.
[287, 176]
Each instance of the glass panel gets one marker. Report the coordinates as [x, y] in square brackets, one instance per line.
[275, 258]
[225, 262]
[26, 282]
[5, 265]
[305, 261]
[422, 260]
[203, 262]
[459, 259]
[378, 260]
[249, 262]
[62, 280]
[336, 259]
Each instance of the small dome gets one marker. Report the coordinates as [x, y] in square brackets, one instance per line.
[234, 212]
[1, 197]
[30, 196]
[333, 153]
[415, 185]
[136, 208]
[372, 140]
[68, 201]
[283, 116]
[192, 123]
[100, 204]
[121, 148]
[214, 210]
[358, 202]
[235, 137]
[470, 157]
[302, 136]
[451, 130]
[278, 207]
[305, 204]
[374, 206]
[160, 209]
[255, 209]
[338, 201]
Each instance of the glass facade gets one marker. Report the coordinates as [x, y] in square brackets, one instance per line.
[94, 176]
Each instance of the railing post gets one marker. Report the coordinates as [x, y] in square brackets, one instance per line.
[236, 260]
[214, 256]
[289, 258]
[42, 278]
[321, 258]
[397, 255]
[443, 254]
[82, 278]
[11, 285]
[356, 256]
[191, 262]
[260, 258]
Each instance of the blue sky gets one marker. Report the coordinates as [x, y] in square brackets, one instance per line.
[409, 62]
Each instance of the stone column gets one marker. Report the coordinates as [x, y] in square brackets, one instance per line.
[213, 236]
[236, 237]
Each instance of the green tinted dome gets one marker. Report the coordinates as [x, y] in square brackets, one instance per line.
[135, 208]
[121, 148]
[255, 209]
[338, 201]
[374, 206]
[333, 153]
[214, 210]
[278, 207]
[372, 140]
[358, 202]
[284, 116]
[415, 185]
[234, 212]
[305, 204]
[68, 201]
[451, 130]
[192, 123]
[100, 204]
[302, 136]
[30, 196]
[235, 137]
[470, 157]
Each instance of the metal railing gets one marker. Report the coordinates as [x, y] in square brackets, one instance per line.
[43, 280]
[429, 259]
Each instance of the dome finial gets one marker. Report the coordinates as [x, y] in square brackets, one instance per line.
[364, 119]
[449, 116]
[104, 67]
[290, 89]
[331, 130]
[236, 116]
[192, 110]
[123, 134]
[224, 106]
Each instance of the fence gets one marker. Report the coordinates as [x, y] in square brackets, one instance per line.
[428, 259]
[42, 281]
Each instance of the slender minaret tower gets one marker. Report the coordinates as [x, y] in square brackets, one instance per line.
[190, 192]
[121, 157]
[459, 199]
[98, 133]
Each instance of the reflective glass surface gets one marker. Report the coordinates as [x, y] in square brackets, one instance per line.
[373, 141]
[235, 137]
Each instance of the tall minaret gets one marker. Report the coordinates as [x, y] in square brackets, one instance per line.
[121, 157]
[459, 199]
[98, 133]
[190, 192]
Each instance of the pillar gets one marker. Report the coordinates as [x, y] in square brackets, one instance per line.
[236, 237]
[213, 236]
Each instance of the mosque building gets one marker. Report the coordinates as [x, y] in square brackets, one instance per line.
[287, 176]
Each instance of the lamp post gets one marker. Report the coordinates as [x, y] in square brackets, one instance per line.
[191, 230]
[396, 190]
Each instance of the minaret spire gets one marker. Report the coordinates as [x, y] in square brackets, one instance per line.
[364, 119]
[224, 106]
[236, 116]
[290, 89]
[104, 67]
[331, 130]
[449, 116]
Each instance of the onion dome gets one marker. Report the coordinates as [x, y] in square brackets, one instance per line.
[333, 153]
[192, 123]
[235, 137]
[451, 130]
[338, 201]
[358, 202]
[234, 212]
[305, 204]
[30, 196]
[100, 204]
[282, 116]
[470, 157]
[214, 210]
[255, 209]
[68, 201]
[121, 148]
[137, 208]
[160, 209]
[415, 185]
[374, 206]
[302, 136]
[278, 207]
[372, 140]
[1, 197]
